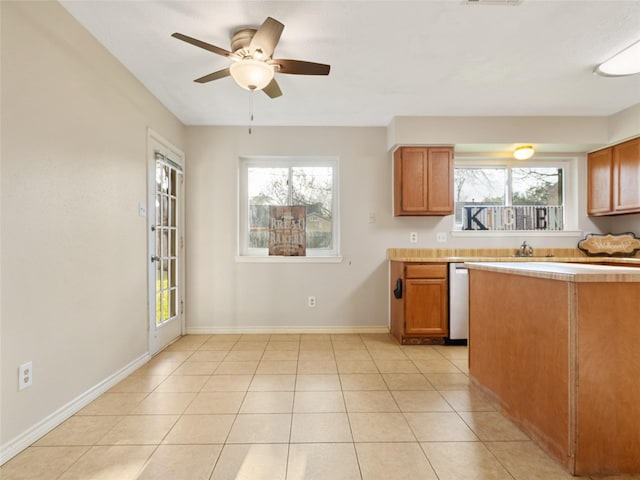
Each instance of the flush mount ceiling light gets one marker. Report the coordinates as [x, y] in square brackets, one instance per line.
[251, 74]
[627, 62]
[524, 152]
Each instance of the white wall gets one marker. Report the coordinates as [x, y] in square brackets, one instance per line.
[74, 255]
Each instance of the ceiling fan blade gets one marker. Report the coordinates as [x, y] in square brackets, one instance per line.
[298, 67]
[273, 89]
[201, 44]
[267, 37]
[214, 76]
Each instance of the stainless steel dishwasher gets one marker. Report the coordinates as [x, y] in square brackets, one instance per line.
[458, 304]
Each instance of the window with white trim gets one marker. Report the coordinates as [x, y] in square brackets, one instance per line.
[512, 196]
[311, 182]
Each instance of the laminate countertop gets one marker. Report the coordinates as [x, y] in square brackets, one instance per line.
[546, 255]
[568, 272]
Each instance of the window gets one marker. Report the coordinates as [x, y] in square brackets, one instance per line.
[311, 182]
[510, 196]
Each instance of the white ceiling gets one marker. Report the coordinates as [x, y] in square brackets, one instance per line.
[388, 58]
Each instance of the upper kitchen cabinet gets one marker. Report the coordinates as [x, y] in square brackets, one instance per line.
[626, 177]
[613, 178]
[423, 181]
[599, 181]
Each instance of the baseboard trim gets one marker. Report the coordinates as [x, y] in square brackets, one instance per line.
[12, 447]
[289, 329]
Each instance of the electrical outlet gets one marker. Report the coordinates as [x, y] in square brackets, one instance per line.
[413, 237]
[311, 302]
[441, 236]
[372, 217]
[25, 375]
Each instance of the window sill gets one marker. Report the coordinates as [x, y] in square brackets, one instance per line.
[517, 233]
[278, 259]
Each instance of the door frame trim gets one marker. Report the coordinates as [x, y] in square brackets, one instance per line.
[155, 140]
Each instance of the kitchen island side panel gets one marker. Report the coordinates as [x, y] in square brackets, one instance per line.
[519, 353]
[608, 369]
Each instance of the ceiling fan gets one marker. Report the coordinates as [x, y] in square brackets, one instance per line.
[253, 67]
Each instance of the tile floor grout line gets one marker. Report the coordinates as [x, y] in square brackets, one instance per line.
[383, 350]
[224, 444]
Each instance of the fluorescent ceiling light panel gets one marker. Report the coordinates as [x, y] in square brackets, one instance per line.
[627, 62]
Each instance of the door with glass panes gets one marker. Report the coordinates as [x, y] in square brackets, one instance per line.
[166, 245]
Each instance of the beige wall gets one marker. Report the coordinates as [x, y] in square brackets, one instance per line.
[224, 295]
[577, 134]
[625, 124]
[73, 257]
[74, 166]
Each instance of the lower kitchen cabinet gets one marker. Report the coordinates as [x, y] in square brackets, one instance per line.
[419, 301]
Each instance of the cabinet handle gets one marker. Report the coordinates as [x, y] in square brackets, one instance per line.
[398, 291]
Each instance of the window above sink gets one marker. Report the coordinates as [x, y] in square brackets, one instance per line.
[501, 195]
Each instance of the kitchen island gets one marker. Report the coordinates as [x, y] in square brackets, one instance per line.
[556, 345]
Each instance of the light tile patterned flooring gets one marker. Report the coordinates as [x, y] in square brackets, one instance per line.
[294, 407]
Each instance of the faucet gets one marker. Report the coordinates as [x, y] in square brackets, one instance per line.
[526, 250]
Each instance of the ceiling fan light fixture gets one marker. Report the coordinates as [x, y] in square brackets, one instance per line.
[627, 62]
[252, 74]
[523, 152]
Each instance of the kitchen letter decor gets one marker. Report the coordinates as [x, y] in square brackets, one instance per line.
[525, 217]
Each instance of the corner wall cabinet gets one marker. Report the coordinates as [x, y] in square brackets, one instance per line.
[613, 179]
[419, 301]
[423, 181]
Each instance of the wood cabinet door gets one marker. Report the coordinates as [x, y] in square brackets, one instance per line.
[423, 181]
[599, 182]
[411, 170]
[626, 177]
[426, 307]
[440, 181]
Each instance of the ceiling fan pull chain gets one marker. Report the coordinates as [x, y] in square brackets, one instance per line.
[251, 108]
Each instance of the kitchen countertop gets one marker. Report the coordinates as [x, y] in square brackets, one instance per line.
[569, 272]
[558, 255]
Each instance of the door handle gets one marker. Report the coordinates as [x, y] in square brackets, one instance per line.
[398, 290]
[155, 258]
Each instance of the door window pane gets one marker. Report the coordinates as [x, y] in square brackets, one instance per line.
[166, 236]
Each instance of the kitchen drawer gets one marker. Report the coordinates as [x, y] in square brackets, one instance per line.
[436, 270]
